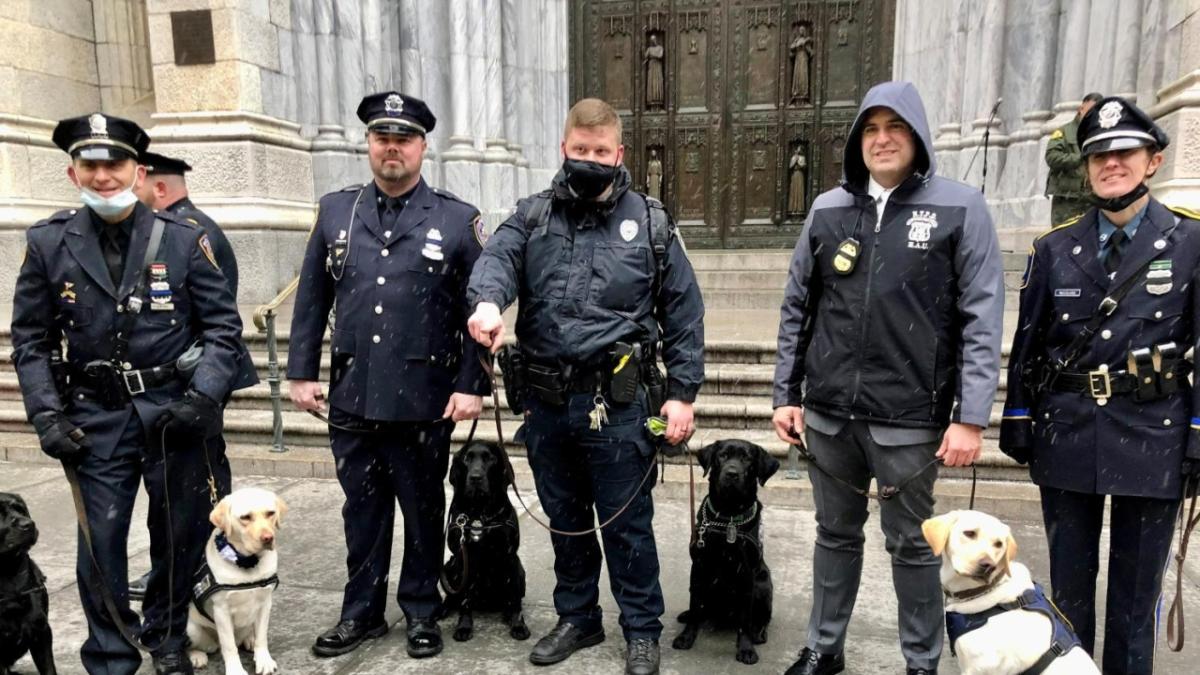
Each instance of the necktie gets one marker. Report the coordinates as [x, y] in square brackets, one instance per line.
[114, 258]
[392, 206]
[1116, 247]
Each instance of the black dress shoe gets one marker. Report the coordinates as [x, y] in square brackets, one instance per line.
[921, 671]
[641, 657]
[564, 640]
[813, 663]
[137, 587]
[347, 636]
[424, 638]
[173, 663]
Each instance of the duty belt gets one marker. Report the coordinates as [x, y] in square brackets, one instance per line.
[136, 381]
[1102, 383]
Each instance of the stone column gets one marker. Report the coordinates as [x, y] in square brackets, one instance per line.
[1072, 61]
[953, 21]
[1178, 112]
[460, 161]
[308, 90]
[351, 73]
[374, 65]
[1127, 49]
[498, 179]
[513, 69]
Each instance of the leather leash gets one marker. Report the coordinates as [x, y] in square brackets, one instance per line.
[1187, 524]
[486, 361]
[886, 492]
[106, 597]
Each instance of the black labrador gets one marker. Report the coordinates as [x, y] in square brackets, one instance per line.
[484, 572]
[24, 603]
[731, 583]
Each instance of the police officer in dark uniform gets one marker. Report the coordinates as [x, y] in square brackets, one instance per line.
[394, 255]
[154, 348]
[601, 277]
[166, 189]
[1099, 401]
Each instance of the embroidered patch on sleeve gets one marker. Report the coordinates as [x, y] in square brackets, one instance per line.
[480, 230]
[206, 247]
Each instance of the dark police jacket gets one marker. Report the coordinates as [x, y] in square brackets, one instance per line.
[397, 340]
[586, 280]
[911, 336]
[1123, 447]
[221, 249]
[64, 291]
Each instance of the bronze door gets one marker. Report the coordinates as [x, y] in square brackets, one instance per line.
[735, 111]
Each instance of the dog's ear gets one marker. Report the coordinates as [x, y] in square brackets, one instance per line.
[1010, 550]
[706, 455]
[458, 470]
[937, 531]
[764, 464]
[220, 515]
[281, 508]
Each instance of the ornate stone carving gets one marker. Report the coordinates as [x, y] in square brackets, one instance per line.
[801, 50]
[654, 175]
[655, 62]
[797, 201]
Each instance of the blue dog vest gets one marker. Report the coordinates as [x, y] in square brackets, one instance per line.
[1062, 640]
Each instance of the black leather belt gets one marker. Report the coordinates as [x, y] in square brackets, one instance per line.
[135, 381]
[1102, 383]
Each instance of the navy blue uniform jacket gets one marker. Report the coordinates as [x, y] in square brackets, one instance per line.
[221, 248]
[1123, 447]
[64, 291]
[398, 338]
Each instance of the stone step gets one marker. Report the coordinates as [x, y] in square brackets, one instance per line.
[745, 259]
[718, 281]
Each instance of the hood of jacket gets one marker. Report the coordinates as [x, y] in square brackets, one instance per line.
[901, 97]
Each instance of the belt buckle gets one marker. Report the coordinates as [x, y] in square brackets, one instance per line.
[1100, 384]
[133, 381]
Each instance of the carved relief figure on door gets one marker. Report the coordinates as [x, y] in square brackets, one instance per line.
[797, 197]
[654, 175]
[801, 49]
[655, 73]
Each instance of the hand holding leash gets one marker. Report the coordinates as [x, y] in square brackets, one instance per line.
[61, 439]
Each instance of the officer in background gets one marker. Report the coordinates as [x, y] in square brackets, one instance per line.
[601, 277]
[889, 356]
[166, 189]
[153, 347]
[1099, 401]
[1066, 184]
[394, 255]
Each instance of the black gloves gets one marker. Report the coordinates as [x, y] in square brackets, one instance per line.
[61, 439]
[195, 413]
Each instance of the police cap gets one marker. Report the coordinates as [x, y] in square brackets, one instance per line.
[391, 112]
[163, 165]
[1116, 124]
[100, 137]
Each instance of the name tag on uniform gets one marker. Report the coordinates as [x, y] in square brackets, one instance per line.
[1066, 292]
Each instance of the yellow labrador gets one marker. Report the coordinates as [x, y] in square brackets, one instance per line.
[232, 604]
[998, 620]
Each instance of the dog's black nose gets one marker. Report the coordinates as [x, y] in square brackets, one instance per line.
[25, 525]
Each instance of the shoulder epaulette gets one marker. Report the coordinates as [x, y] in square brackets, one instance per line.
[57, 217]
[1057, 133]
[445, 193]
[1061, 226]
[353, 188]
[1184, 212]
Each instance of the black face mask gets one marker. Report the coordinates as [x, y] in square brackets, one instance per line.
[587, 180]
[1121, 203]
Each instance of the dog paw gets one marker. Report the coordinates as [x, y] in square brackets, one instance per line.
[684, 616]
[264, 664]
[747, 656]
[235, 668]
[462, 634]
[759, 638]
[198, 658]
[684, 640]
[519, 632]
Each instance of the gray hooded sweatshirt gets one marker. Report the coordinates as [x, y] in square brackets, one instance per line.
[909, 335]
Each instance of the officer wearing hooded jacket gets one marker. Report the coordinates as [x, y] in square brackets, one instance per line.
[889, 355]
[124, 407]
[1111, 413]
[589, 279]
[394, 256]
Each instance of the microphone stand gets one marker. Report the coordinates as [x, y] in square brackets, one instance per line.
[987, 133]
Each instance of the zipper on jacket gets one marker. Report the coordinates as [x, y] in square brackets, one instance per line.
[862, 334]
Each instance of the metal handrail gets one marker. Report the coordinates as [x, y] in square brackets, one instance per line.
[264, 320]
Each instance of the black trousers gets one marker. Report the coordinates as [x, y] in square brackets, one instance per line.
[1139, 548]
[407, 462]
[109, 488]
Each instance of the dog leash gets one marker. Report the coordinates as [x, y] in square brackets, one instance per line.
[1187, 524]
[378, 430]
[85, 529]
[886, 492]
[485, 360]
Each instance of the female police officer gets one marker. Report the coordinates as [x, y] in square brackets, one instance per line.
[1098, 399]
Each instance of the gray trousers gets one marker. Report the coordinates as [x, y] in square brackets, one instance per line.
[853, 455]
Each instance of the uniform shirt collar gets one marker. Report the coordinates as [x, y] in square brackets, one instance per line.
[1107, 228]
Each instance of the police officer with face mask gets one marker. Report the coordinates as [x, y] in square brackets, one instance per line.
[1099, 401]
[153, 349]
[602, 279]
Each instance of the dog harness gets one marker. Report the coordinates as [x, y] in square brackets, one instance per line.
[711, 521]
[1062, 639]
[205, 585]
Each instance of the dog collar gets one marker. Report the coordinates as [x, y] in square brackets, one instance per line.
[732, 526]
[972, 593]
[228, 552]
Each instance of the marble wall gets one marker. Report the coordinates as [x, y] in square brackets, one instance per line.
[271, 125]
[1038, 58]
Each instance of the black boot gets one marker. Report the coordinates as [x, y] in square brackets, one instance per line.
[641, 657]
[347, 636]
[172, 663]
[813, 663]
[565, 639]
[424, 638]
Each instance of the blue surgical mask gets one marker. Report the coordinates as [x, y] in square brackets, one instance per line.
[107, 207]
